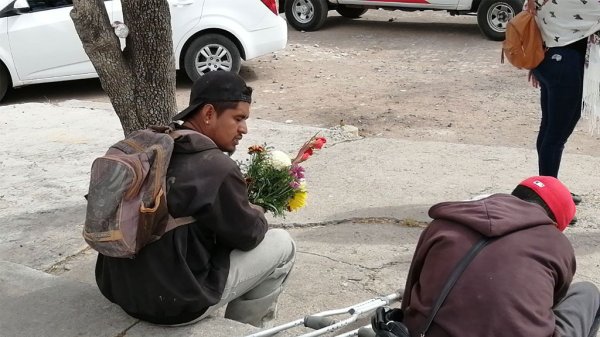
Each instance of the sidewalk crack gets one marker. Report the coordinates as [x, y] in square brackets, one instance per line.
[383, 266]
[58, 267]
[407, 222]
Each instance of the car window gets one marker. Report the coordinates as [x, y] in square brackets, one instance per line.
[40, 5]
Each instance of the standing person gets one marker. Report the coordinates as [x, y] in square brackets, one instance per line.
[517, 285]
[567, 27]
[228, 256]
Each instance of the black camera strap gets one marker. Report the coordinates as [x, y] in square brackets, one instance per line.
[460, 267]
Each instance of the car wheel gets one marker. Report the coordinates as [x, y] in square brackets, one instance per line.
[493, 16]
[350, 12]
[211, 52]
[306, 15]
[4, 81]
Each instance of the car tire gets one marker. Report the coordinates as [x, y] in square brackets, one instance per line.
[5, 82]
[307, 15]
[351, 12]
[211, 52]
[493, 16]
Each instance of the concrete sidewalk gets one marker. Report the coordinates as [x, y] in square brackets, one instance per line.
[352, 242]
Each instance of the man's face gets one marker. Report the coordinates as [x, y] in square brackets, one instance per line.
[228, 128]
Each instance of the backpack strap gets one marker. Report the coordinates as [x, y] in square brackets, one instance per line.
[176, 133]
[176, 222]
[458, 270]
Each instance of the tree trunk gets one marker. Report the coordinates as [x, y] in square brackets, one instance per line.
[139, 80]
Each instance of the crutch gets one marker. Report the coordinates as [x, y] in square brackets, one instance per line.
[322, 322]
[365, 331]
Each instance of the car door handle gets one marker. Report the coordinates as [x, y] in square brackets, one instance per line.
[182, 3]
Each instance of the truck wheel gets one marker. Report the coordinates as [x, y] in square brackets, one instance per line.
[211, 52]
[493, 16]
[5, 82]
[350, 12]
[307, 15]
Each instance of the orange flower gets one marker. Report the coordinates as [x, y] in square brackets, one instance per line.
[255, 149]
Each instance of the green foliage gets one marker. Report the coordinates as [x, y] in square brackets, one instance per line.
[268, 186]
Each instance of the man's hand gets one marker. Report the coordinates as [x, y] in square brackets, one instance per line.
[534, 81]
[257, 207]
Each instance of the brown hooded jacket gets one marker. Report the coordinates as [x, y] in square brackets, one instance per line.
[509, 289]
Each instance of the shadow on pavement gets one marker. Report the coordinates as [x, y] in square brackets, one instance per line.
[88, 89]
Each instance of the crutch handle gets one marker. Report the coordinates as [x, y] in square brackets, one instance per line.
[318, 322]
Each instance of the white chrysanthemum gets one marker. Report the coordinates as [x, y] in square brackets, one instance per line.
[280, 159]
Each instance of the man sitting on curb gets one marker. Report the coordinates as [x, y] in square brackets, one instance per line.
[518, 285]
[228, 256]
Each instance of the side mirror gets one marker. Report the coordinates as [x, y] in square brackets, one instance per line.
[21, 6]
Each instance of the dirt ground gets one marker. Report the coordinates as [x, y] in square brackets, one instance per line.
[421, 76]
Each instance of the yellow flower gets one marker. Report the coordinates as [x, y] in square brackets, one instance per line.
[298, 200]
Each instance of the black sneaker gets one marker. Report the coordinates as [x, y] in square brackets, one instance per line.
[576, 198]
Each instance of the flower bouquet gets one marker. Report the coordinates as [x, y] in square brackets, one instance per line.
[275, 181]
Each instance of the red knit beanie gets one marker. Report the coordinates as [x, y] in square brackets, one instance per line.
[556, 196]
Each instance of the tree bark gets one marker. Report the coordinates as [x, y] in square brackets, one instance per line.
[139, 80]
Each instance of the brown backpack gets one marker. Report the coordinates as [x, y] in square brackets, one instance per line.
[127, 206]
[523, 45]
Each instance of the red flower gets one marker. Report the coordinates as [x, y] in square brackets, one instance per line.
[307, 153]
[307, 150]
[318, 143]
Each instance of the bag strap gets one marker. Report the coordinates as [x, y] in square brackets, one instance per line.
[458, 270]
[176, 222]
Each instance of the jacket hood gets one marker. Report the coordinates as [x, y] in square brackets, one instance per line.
[192, 141]
[493, 216]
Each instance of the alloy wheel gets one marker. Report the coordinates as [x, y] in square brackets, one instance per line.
[213, 57]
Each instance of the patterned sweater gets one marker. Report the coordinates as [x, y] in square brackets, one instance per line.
[563, 22]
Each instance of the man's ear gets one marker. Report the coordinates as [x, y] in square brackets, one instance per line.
[208, 112]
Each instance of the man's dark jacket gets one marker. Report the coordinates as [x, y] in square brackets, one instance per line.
[175, 279]
[509, 289]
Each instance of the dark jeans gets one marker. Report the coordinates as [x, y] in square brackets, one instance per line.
[577, 315]
[561, 80]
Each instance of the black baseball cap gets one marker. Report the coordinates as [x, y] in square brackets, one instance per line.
[216, 86]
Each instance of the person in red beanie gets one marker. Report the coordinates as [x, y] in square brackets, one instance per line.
[517, 285]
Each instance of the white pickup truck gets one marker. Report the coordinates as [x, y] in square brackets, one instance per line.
[492, 15]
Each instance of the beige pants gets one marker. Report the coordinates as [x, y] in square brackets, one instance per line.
[256, 278]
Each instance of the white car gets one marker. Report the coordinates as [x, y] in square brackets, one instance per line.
[39, 44]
